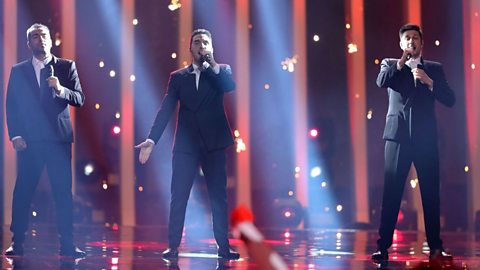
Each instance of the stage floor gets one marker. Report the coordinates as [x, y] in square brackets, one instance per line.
[111, 248]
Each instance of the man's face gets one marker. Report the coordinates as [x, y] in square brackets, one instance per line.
[411, 40]
[201, 44]
[40, 41]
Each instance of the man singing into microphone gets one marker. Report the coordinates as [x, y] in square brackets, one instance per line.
[201, 137]
[40, 93]
[411, 137]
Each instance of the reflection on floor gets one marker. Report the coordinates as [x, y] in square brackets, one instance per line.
[112, 248]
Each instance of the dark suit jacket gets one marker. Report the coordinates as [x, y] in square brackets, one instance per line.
[34, 112]
[411, 110]
[201, 116]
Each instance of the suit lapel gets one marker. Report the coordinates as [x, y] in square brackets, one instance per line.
[30, 76]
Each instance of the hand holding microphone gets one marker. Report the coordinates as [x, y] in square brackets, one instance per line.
[419, 75]
[53, 81]
[207, 56]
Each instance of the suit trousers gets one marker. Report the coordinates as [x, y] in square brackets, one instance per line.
[398, 160]
[185, 168]
[56, 157]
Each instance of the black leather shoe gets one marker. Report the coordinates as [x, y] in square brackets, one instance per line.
[228, 254]
[14, 250]
[440, 255]
[73, 251]
[380, 255]
[170, 253]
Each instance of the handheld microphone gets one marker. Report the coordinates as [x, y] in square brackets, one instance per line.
[415, 81]
[50, 71]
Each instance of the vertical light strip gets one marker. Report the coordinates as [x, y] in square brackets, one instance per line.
[68, 51]
[357, 100]
[9, 59]
[300, 98]
[184, 31]
[127, 168]
[242, 99]
[471, 25]
[412, 10]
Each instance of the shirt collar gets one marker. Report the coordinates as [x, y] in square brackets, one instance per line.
[37, 62]
[195, 67]
[413, 63]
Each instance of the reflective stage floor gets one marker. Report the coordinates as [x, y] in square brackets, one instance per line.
[112, 248]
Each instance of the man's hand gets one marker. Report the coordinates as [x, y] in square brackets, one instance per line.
[208, 57]
[407, 53]
[55, 84]
[146, 148]
[420, 75]
[19, 144]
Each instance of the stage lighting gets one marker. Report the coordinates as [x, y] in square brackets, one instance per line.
[88, 169]
[288, 212]
[313, 133]
[116, 130]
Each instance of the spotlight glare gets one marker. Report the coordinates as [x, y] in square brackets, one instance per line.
[287, 214]
[370, 114]
[117, 115]
[58, 41]
[316, 38]
[34, 213]
[473, 66]
[174, 55]
[266, 86]
[414, 183]
[97, 106]
[89, 168]
[313, 132]
[437, 42]
[112, 73]
[236, 133]
[132, 78]
[352, 48]
[466, 168]
[376, 61]
[140, 188]
[348, 26]
[290, 193]
[324, 184]
[315, 172]
[174, 5]
[101, 64]
[339, 208]
[105, 186]
[116, 130]
[297, 169]
[135, 21]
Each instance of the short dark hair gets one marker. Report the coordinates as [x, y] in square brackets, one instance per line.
[36, 26]
[408, 27]
[199, 31]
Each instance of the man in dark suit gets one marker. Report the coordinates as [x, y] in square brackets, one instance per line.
[414, 84]
[40, 92]
[201, 137]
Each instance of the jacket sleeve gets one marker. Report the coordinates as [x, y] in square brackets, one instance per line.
[389, 75]
[441, 90]
[169, 104]
[223, 80]
[15, 122]
[73, 89]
